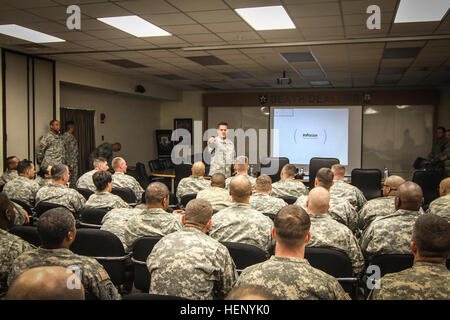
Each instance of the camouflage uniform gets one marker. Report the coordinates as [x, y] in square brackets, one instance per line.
[389, 234]
[53, 153]
[374, 208]
[266, 204]
[424, 281]
[105, 200]
[71, 148]
[191, 184]
[192, 265]
[219, 198]
[8, 176]
[115, 220]
[23, 189]
[447, 162]
[104, 150]
[288, 187]
[152, 222]
[60, 194]
[11, 246]
[340, 210]
[352, 194]
[441, 207]
[122, 180]
[250, 178]
[86, 182]
[241, 223]
[93, 276]
[20, 218]
[326, 232]
[222, 156]
[42, 182]
[291, 278]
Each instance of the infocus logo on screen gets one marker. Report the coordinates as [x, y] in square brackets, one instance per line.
[310, 136]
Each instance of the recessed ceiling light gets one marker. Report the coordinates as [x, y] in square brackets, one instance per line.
[421, 11]
[266, 18]
[23, 33]
[135, 25]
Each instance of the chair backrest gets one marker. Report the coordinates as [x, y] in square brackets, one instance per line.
[106, 248]
[368, 181]
[186, 198]
[142, 176]
[86, 193]
[244, 255]
[25, 206]
[150, 296]
[289, 199]
[182, 170]
[270, 215]
[142, 248]
[429, 182]
[329, 260]
[154, 165]
[269, 162]
[315, 164]
[390, 263]
[93, 215]
[126, 194]
[45, 206]
[27, 233]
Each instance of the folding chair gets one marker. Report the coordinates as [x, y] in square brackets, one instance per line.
[142, 248]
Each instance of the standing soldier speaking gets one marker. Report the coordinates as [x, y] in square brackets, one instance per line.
[51, 147]
[71, 146]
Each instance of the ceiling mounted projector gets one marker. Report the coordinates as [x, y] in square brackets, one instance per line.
[284, 80]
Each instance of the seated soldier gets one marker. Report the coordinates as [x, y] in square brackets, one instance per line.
[122, 180]
[194, 183]
[241, 168]
[261, 200]
[85, 181]
[57, 232]
[345, 190]
[250, 292]
[11, 170]
[288, 275]
[44, 176]
[441, 205]
[216, 194]
[23, 188]
[190, 264]
[287, 186]
[429, 278]
[103, 198]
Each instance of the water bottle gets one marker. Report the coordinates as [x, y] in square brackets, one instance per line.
[251, 171]
[302, 173]
[386, 173]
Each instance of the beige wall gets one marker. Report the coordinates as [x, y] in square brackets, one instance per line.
[190, 106]
[1, 113]
[443, 110]
[130, 120]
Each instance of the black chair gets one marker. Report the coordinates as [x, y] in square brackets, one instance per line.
[429, 182]
[142, 248]
[149, 296]
[368, 181]
[42, 207]
[86, 193]
[336, 264]
[142, 176]
[277, 162]
[27, 233]
[186, 198]
[244, 255]
[126, 194]
[107, 249]
[390, 263]
[289, 199]
[315, 164]
[92, 217]
[154, 165]
[182, 170]
[270, 215]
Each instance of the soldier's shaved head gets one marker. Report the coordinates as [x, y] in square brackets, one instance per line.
[100, 162]
[198, 212]
[46, 283]
[240, 189]
[250, 292]
[218, 180]
[198, 169]
[241, 164]
[410, 196]
[338, 171]
[263, 183]
[155, 193]
[444, 187]
[117, 162]
[289, 171]
[390, 187]
[318, 200]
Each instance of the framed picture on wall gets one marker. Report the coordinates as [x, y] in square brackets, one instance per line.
[185, 123]
[164, 143]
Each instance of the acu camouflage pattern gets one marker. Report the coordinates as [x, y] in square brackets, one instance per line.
[60, 194]
[250, 178]
[115, 220]
[241, 223]
[23, 189]
[327, 232]
[378, 207]
[293, 279]
[104, 150]
[8, 176]
[191, 184]
[20, 216]
[102, 200]
[446, 152]
[389, 234]
[288, 187]
[424, 281]
[192, 265]
[71, 148]
[86, 182]
[42, 182]
[122, 180]
[152, 222]
[441, 207]
[352, 194]
[222, 157]
[11, 246]
[94, 278]
[266, 204]
[54, 152]
[340, 210]
[219, 198]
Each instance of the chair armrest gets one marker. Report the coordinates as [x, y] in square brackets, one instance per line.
[138, 261]
[122, 258]
[83, 224]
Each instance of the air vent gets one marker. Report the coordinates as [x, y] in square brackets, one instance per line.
[298, 56]
[392, 70]
[170, 77]
[207, 60]
[124, 63]
[311, 73]
[238, 75]
[401, 53]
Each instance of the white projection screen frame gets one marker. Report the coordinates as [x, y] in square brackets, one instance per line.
[355, 118]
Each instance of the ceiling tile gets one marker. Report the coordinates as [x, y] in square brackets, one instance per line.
[141, 7]
[207, 60]
[398, 53]
[198, 5]
[313, 10]
[168, 19]
[215, 16]
[228, 27]
[101, 10]
[186, 29]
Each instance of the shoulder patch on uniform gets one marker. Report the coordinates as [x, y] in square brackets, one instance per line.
[103, 274]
